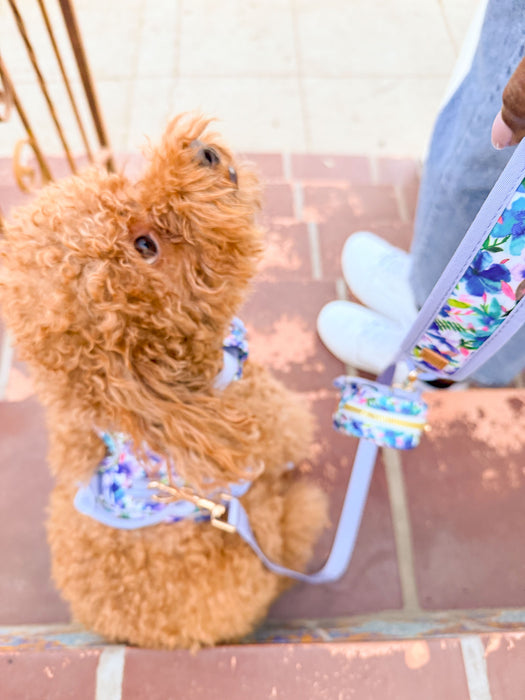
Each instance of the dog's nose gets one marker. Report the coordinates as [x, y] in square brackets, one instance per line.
[205, 155]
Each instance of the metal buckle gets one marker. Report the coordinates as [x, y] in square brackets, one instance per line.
[216, 509]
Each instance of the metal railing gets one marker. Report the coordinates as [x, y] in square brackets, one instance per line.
[25, 173]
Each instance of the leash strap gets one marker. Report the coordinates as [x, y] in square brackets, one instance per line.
[490, 260]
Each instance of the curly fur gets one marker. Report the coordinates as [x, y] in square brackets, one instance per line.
[119, 343]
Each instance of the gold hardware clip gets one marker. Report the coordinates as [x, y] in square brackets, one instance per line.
[170, 494]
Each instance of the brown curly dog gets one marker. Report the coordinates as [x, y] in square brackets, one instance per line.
[119, 296]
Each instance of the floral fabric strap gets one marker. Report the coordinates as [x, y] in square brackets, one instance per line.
[118, 494]
[475, 306]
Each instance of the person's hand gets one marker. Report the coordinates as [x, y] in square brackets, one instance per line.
[509, 126]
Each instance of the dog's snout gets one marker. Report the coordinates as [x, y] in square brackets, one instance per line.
[205, 154]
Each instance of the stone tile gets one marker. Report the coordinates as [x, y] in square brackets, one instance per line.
[355, 121]
[505, 658]
[114, 99]
[26, 592]
[54, 674]
[371, 582]
[159, 42]
[262, 114]
[354, 169]
[465, 488]
[115, 102]
[111, 34]
[281, 322]
[349, 39]
[388, 670]
[459, 16]
[147, 124]
[237, 39]
[287, 253]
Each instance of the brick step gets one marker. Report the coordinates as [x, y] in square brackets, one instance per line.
[465, 667]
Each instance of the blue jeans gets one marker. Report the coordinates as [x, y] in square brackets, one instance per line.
[462, 167]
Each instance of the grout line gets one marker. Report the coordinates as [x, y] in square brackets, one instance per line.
[401, 203]
[287, 166]
[341, 294]
[298, 200]
[402, 528]
[307, 136]
[475, 668]
[133, 82]
[341, 289]
[6, 360]
[374, 170]
[110, 673]
[315, 250]
[448, 28]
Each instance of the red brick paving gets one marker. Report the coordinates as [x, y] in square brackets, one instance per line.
[281, 323]
[505, 658]
[26, 592]
[431, 670]
[466, 486]
[56, 674]
[287, 255]
[277, 202]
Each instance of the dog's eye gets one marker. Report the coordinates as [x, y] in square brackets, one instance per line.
[209, 157]
[147, 247]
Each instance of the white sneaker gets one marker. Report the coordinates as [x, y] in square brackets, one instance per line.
[358, 336]
[377, 274]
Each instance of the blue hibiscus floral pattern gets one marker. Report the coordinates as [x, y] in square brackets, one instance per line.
[489, 290]
[120, 485]
[389, 417]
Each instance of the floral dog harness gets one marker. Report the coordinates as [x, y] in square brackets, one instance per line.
[120, 494]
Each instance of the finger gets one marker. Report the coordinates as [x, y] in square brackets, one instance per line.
[502, 135]
[513, 109]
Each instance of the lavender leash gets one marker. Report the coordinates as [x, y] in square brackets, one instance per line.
[359, 483]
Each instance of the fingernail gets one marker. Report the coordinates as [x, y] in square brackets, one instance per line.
[501, 133]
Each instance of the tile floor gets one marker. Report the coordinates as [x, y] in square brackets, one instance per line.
[281, 75]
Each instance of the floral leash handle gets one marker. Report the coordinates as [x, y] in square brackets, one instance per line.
[471, 312]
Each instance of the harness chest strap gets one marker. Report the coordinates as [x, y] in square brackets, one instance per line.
[121, 494]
